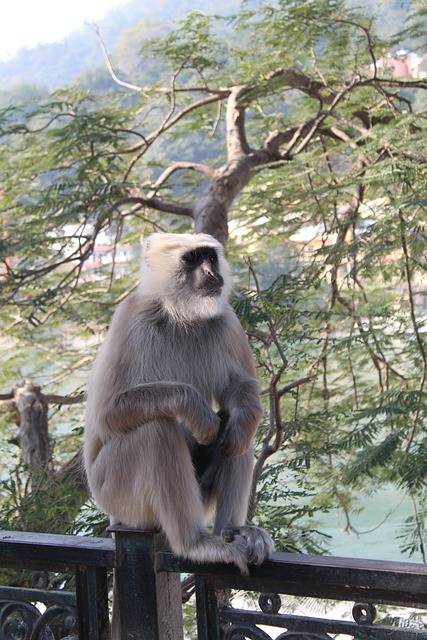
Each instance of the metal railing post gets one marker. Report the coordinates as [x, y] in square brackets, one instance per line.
[149, 601]
[92, 602]
[208, 627]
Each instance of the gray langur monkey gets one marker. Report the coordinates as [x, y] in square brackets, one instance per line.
[156, 453]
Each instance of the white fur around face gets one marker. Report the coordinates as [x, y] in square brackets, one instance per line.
[162, 279]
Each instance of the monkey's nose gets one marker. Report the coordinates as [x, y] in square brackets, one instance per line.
[214, 279]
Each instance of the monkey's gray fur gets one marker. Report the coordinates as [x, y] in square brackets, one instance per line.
[175, 348]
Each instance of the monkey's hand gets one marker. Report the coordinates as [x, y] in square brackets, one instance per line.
[236, 438]
[202, 421]
[259, 543]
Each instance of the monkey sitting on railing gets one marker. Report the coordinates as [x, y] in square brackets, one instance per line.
[154, 453]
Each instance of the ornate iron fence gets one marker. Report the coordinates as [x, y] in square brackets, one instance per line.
[39, 613]
[149, 594]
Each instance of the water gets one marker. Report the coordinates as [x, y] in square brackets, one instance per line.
[377, 528]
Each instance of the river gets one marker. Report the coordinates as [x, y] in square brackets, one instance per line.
[378, 527]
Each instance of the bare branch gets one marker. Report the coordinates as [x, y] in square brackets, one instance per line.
[180, 166]
[221, 94]
[169, 122]
[6, 396]
[295, 383]
[108, 64]
[156, 203]
[51, 398]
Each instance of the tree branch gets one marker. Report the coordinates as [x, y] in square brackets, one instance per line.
[180, 166]
[281, 78]
[157, 204]
[6, 396]
[237, 144]
[108, 64]
[296, 383]
[51, 398]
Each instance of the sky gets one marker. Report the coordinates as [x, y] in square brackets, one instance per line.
[27, 23]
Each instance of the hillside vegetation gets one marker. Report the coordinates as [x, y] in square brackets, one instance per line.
[78, 58]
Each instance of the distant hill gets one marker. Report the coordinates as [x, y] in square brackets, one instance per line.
[49, 66]
[57, 64]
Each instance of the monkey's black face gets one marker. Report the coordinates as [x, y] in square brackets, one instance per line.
[201, 269]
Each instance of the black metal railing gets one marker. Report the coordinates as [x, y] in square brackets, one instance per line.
[148, 592]
[41, 614]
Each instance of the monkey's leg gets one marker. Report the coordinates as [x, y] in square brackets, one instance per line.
[147, 480]
[179, 506]
[232, 488]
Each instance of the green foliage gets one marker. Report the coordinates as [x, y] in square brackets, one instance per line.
[351, 313]
[34, 501]
[192, 45]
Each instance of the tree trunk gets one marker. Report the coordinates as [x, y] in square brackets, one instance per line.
[210, 212]
[33, 434]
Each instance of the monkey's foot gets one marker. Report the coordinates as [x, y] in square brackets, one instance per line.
[258, 542]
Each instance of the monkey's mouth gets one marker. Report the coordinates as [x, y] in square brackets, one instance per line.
[211, 290]
[211, 285]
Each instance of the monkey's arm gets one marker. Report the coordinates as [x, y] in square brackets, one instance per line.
[239, 395]
[154, 400]
[240, 400]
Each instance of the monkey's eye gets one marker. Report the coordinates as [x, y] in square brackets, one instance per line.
[191, 258]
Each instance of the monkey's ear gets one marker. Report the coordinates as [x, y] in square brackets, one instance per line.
[144, 241]
[149, 244]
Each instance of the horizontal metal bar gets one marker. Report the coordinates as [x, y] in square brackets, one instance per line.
[50, 551]
[319, 576]
[18, 594]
